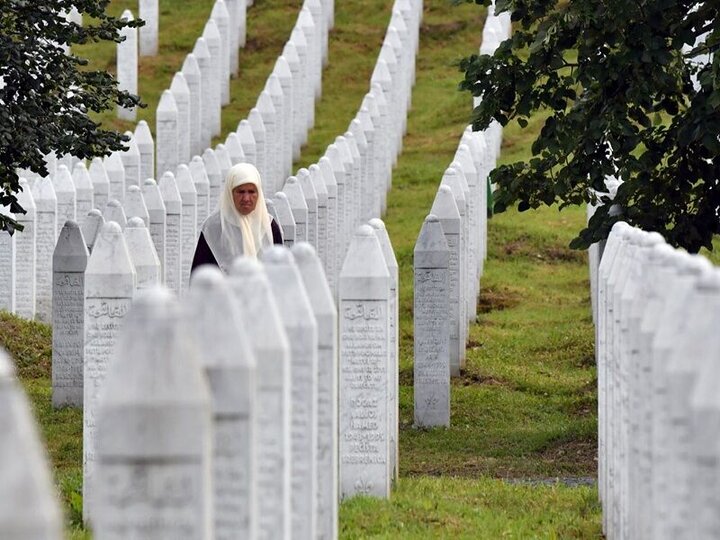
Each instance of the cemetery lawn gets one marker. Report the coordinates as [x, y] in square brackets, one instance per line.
[524, 411]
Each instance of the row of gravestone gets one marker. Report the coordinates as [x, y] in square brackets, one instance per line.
[189, 112]
[359, 163]
[448, 262]
[658, 406]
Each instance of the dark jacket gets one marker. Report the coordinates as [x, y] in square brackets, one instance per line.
[203, 254]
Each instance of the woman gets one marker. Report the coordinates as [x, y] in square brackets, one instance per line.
[241, 225]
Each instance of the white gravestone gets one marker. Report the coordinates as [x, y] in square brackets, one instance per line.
[109, 288]
[216, 179]
[285, 218]
[364, 335]
[247, 141]
[100, 182]
[69, 261]
[181, 92]
[452, 178]
[167, 125]
[25, 254]
[224, 162]
[299, 41]
[365, 195]
[332, 245]
[131, 161]
[7, 266]
[66, 195]
[271, 173]
[114, 212]
[321, 32]
[431, 361]
[229, 363]
[202, 186]
[154, 451]
[204, 62]
[189, 236]
[374, 199]
[259, 133]
[267, 337]
[221, 16]
[91, 226]
[704, 419]
[321, 191]
[345, 158]
[234, 37]
[127, 64]
[357, 186]
[173, 231]
[298, 119]
[142, 253]
[135, 205]
[446, 210]
[116, 175]
[191, 71]
[311, 199]
[46, 232]
[30, 509]
[283, 164]
[234, 148]
[394, 362]
[323, 305]
[83, 190]
[302, 332]
[299, 208]
[334, 157]
[211, 34]
[285, 77]
[149, 12]
[157, 215]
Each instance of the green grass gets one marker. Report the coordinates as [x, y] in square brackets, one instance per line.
[525, 405]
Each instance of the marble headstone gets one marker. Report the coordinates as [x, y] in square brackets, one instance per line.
[229, 363]
[46, 232]
[269, 341]
[69, 261]
[25, 254]
[30, 508]
[154, 430]
[167, 134]
[323, 305]
[127, 64]
[173, 231]
[142, 253]
[302, 332]
[100, 182]
[364, 336]
[431, 362]
[109, 287]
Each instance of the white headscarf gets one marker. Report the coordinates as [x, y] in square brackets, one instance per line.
[229, 233]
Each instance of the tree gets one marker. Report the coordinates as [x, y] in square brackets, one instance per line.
[47, 95]
[628, 91]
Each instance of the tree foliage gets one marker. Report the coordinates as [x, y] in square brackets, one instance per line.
[627, 92]
[47, 95]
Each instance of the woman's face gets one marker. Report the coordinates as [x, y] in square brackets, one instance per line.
[245, 198]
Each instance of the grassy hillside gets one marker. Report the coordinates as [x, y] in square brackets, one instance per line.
[525, 407]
